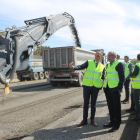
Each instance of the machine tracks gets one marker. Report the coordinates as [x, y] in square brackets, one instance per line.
[37, 102]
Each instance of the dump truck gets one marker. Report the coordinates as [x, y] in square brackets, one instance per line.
[57, 60]
[34, 70]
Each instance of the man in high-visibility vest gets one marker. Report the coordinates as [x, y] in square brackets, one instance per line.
[136, 88]
[118, 57]
[128, 71]
[132, 107]
[113, 85]
[92, 83]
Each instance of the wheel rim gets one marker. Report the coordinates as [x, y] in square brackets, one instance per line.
[36, 76]
[41, 75]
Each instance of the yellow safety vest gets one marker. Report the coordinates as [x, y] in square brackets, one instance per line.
[127, 72]
[112, 77]
[136, 80]
[93, 74]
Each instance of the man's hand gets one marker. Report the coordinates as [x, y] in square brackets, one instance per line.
[71, 65]
[133, 76]
[125, 79]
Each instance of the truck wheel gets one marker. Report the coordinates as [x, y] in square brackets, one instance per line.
[21, 78]
[46, 75]
[35, 76]
[41, 75]
[54, 83]
[28, 79]
[80, 80]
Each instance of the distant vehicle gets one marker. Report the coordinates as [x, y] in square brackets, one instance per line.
[57, 60]
[34, 70]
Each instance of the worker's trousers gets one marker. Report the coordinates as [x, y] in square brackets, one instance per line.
[127, 89]
[136, 98]
[87, 93]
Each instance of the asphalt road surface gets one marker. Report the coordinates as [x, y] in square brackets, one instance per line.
[27, 110]
[51, 113]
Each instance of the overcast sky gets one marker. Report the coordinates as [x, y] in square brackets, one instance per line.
[112, 25]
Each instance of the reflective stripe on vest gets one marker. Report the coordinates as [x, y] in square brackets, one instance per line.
[93, 72]
[112, 77]
[89, 78]
[92, 76]
[136, 80]
[116, 73]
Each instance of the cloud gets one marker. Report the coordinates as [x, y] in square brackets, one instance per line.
[105, 24]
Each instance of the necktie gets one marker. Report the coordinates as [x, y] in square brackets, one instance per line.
[96, 64]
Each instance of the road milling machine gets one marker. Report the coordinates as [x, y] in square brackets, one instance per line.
[19, 44]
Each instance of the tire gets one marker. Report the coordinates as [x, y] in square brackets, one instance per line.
[54, 83]
[21, 78]
[35, 76]
[46, 75]
[41, 75]
[80, 80]
[28, 79]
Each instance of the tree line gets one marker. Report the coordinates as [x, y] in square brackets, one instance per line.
[39, 50]
[133, 61]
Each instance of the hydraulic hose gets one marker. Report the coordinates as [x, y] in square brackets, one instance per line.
[7, 81]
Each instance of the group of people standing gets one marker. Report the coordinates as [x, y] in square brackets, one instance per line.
[112, 78]
[132, 74]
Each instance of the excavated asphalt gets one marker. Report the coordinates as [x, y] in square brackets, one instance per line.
[64, 127]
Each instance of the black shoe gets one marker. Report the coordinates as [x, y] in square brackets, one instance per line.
[108, 125]
[113, 129]
[135, 118]
[130, 110]
[133, 113]
[126, 102]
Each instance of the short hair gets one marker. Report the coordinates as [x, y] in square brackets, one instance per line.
[127, 57]
[100, 53]
[118, 55]
[112, 52]
[138, 56]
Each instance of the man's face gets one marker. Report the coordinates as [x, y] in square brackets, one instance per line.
[126, 59]
[118, 57]
[98, 57]
[111, 57]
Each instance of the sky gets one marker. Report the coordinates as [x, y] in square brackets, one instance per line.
[112, 25]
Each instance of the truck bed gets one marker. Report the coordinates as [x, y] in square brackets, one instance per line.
[61, 57]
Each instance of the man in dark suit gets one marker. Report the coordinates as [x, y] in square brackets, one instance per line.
[136, 89]
[128, 71]
[115, 76]
[92, 83]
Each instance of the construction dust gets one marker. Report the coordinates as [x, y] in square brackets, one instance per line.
[75, 35]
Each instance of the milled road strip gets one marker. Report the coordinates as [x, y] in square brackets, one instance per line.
[52, 113]
[36, 111]
[37, 100]
[65, 127]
